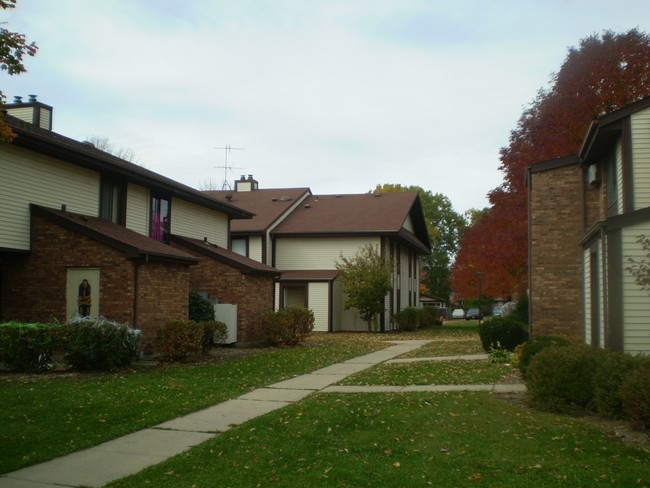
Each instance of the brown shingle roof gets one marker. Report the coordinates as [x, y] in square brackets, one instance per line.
[359, 214]
[134, 245]
[268, 205]
[244, 264]
[86, 155]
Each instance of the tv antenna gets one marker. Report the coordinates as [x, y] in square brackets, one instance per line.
[227, 149]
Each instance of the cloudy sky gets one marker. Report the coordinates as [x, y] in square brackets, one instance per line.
[337, 95]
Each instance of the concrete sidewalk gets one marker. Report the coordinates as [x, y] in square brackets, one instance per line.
[132, 453]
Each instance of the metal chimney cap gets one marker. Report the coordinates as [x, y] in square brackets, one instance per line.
[32, 98]
[18, 99]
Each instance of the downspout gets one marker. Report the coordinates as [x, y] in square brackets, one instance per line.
[605, 292]
[530, 280]
[136, 286]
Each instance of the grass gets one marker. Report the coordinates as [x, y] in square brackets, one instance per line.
[45, 416]
[416, 439]
[431, 373]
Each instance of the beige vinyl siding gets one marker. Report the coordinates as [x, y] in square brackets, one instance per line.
[276, 297]
[408, 224]
[255, 248]
[318, 302]
[137, 209]
[619, 178]
[316, 252]
[587, 293]
[636, 302]
[641, 158]
[196, 222]
[25, 114]
[27, 178]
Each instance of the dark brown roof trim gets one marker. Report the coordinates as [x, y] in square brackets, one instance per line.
[87, 156]
[312, 275]
[150, 250]
[226, 256]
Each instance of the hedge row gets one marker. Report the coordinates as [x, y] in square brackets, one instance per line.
[572, 378]
[87, 343]
[411, 318]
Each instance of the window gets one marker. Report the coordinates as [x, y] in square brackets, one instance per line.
[112, 200]
[160, 208]
[239, 246]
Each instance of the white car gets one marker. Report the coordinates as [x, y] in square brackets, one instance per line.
[459, 313]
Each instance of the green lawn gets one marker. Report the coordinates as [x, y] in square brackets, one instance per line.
[414, 439]
[404, 440]
[431, 373]
[45, 416]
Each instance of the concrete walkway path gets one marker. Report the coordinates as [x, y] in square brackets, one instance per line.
[132, 453]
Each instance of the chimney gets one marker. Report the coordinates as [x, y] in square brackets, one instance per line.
[32, 111]
[246, 184]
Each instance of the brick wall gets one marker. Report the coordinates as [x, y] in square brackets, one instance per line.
[556, 220]
[34, 285]
[163, 295]
[252, 293]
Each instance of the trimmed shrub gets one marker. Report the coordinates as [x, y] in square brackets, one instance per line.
[214, 333]
[430, 316]
[200, 308]
[506, 331]
[98, 344]
[289, 326]
[177, 339]
[560, 379]
[534, 346]
[28, 347]
[635, 395]
[407, 319]
[608, 380]
[521, 309]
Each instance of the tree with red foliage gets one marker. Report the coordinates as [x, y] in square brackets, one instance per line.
[603, 74]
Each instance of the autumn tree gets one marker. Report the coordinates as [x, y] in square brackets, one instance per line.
[604, 73]
[445, 228]
[13, 48]
[366, 279]
[103, 143]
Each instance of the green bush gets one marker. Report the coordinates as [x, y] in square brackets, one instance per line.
[635, 395]
[521, 309]
[407, 319]
[534, 346]
[289, 326]
[98, 344]
[560, 379]
[178, 339]
[28, 347]
[200, 308]
[430, 316]
[506, 331]
[214, 333]
[608, 380]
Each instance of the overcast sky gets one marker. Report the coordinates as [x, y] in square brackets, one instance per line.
[338, 96]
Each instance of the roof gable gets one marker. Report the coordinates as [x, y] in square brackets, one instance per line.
[359, 214]
[268, 205]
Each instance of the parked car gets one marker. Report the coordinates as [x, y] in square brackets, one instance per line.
[496, 311]
[459, 313]
[508, 308]
[473, 313]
